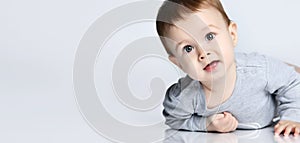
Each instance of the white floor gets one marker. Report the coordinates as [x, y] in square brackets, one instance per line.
[265, 135]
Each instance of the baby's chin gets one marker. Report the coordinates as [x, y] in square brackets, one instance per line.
[201, 78]
[208, 77]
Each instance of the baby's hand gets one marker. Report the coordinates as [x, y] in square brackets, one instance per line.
[222, 122]
[288, 127]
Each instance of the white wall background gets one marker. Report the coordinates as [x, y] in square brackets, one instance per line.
[38, 41]
[268, 27]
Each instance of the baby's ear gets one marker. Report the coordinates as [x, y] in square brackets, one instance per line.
[233, 32]
[174, 61]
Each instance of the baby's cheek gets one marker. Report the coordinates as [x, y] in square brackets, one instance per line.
[190, 70]
[196, 75]
[187, 65]
[228, 57]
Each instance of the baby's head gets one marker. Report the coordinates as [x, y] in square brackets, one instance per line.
[198, 36]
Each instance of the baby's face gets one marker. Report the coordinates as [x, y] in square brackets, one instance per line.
[202, 44]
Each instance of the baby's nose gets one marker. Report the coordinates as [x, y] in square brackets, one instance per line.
[202, 55]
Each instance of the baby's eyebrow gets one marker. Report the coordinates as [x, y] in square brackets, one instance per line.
[210, 25]
[177, 45]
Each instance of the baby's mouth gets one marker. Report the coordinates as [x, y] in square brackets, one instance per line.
[211, 66]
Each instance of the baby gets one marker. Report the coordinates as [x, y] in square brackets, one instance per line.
[223, 90]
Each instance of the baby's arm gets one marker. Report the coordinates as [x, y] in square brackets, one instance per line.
[284, 83]
[179, 110]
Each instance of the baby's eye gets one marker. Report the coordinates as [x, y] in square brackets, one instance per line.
[188, 48]
[210, 36]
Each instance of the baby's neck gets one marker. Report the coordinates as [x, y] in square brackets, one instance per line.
[219, 90]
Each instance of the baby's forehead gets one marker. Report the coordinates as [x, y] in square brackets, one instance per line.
[175, 35]
[180, 31]
[174, 30]
[199, 20]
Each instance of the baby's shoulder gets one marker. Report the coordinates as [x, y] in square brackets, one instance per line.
[184, 84]
[250, 60]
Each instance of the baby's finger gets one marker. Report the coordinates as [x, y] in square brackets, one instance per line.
[227, 114]
[296, 132]
[231, 125]
[218, 116]
[228, 126]
[236, 123]
[279, 129]
[214, 118]
[276, 126]
[288, 130]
